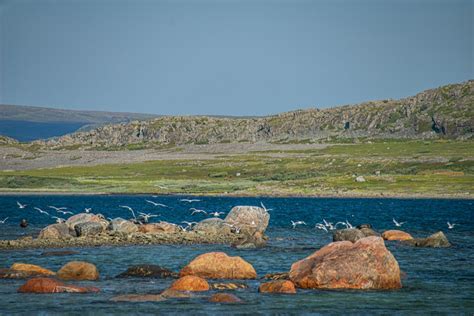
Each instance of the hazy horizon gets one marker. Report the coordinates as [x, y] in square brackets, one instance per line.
[231, 58]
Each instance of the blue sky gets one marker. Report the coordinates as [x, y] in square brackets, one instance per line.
[228, 57]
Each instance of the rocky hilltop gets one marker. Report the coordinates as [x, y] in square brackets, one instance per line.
[446, 112]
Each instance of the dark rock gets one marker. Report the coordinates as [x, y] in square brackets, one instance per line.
[212, 226]
[277, 276]
[225, 298]
[88, 229]
[147, 271]
[364, 226]
[228, 286]
[437, 240]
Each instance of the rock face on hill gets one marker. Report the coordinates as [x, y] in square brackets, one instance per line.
[443, 112]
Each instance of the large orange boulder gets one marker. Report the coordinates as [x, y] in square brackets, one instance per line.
[365, 264]
[47, 285]
[78, 270]
[225, 298]
[218, 265]
[31, 269]
[190, 283]
[396, 235]
[279, 286]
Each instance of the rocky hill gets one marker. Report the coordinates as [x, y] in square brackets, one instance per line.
[446, 112]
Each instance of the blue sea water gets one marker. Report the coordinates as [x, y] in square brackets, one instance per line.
[438, 281]
[26, 131]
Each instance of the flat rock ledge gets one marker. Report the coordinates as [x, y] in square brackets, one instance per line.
[120, 239]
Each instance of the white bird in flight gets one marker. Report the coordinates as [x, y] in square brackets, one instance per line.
[156, 204]
[236, 228]
[88, 209]
[41, 211]
[190, 200]
[57, 208]
[266, 209]
[21, 205]
[195, 210]
[398, 224]
[451, 226]
[321, 226]
[3, 222]
[130, 209]
[216, 214]
[147, 216]
[294, 224]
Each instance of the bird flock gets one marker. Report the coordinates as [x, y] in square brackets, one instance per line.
[144, 218]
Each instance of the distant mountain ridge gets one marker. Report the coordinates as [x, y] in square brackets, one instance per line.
[447, 111]
[27, 123]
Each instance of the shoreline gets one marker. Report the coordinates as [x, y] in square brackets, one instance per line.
[458, 196]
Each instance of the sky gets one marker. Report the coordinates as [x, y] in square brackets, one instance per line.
[229, 57]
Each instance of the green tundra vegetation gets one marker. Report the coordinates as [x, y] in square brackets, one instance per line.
[390, 167]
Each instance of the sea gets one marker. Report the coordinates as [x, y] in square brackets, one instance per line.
[436, 281]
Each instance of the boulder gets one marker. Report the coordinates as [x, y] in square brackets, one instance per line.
[225, 298]
[250, 219]
[396, 235]
[122, 226]
[147, 271]
[437, 240]
[213, 226]
[280, 286]
[190, 283]
[82, 218]
[256, 240]
[55, 231]
[348, 234]
[47, 285]
[218, 265]
[138, 298]
[161, 227]
[88, 229]
[31, 269]
[369, 232]
[78, 270]
[365, 264]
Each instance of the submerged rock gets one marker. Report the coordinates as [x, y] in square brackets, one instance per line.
[225, 298]
[228, 286]
[31, 269]
[218, 265]
[396, 235]
[190, 283]
[59, 253]
[280, 286]
[277, 276]
[148, 271]
[47, 285]
[78, 270]
[365, 264]
[437, 240]
[138, 298]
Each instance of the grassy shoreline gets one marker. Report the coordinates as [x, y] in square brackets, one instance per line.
[403, 168]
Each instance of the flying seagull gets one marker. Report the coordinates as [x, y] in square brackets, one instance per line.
[58, 219]
[195, 210]
[321, 226]
[451, 226]
[294, 224]
[21, 205]
[41, 211]
[3, 222]
[266, 209]
[156, 204]
[57, 208]
[130, 209]
[190, 200]
[397, 223]
[146, 216]
[88, 209]
[216, 214]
